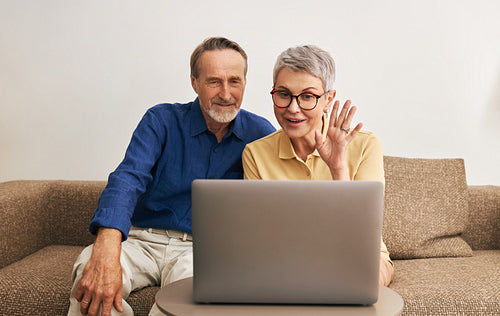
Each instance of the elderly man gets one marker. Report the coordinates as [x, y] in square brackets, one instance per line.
[143, 219]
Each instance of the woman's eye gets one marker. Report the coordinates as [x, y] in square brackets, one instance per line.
[307, 97]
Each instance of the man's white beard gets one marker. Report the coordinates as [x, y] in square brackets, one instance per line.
[222, 115]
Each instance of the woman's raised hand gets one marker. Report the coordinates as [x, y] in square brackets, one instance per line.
[332, 149]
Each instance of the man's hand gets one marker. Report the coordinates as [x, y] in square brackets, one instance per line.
[101, 282]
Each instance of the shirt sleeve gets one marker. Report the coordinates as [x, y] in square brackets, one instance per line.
[371, 168]
[371, 165]
[131, 178]
[249, 167]
[384, 252]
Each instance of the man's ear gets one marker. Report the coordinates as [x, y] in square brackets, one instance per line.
[194, 84]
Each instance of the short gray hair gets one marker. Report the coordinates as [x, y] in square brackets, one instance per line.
[214, 43]
[308, 58]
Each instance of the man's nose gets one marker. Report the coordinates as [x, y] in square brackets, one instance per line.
[225, 92]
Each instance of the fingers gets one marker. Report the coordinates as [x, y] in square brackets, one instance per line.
[350, 116]
[89, 306]
[354, 131]
[345, 118]
[341, 121]
[94, 308]
[107, 305]
[84, 305]
[346, 115]
[83, 299]
[333, 117]
[79, 293]
[118, 302]
[91, 301]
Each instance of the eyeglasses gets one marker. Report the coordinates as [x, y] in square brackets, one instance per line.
[306, 100]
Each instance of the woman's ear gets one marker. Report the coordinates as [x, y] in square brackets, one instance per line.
[329, 100]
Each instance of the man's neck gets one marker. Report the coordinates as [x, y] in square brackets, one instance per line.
[219, 129]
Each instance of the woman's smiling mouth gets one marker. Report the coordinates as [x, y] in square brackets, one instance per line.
[294, 120]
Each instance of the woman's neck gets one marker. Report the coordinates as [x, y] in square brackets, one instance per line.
[304, 146]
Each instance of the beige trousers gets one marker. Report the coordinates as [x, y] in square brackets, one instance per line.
[147, 259]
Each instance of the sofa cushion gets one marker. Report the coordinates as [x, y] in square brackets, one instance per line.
[40, 284]
[425, 208]
[450, 286]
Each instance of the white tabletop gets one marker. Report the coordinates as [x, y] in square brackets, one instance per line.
[176, 299]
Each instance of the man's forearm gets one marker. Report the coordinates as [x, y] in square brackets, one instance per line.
[107, 244]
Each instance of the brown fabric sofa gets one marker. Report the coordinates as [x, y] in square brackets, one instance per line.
[442, 234]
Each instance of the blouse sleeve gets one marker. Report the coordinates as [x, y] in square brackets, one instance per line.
[250, 169]
[371, 164]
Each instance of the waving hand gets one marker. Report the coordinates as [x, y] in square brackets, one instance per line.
[332, 149]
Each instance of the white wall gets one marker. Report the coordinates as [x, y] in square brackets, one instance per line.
[76, 76]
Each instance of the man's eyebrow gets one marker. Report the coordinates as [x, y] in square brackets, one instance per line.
[212, 78]
[236, 78]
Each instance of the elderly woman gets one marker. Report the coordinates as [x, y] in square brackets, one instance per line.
[309, 146]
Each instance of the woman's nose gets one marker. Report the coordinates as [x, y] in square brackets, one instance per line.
[294, 105]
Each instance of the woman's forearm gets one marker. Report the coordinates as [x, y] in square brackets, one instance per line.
[386, 271]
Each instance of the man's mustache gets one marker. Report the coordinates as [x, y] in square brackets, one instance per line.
[224, 102]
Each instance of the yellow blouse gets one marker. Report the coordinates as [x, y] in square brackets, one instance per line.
[273, 158]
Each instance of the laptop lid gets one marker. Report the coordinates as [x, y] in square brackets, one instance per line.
[296, 242]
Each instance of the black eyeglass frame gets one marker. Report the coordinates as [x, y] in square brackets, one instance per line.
[297, 99]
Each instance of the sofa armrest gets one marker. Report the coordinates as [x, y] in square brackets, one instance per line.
[74, 202]
[25, 216]
[36, 214]
[483, 226]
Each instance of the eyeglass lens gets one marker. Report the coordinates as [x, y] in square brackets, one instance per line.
[306, 100]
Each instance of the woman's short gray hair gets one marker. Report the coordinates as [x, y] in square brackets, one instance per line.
[308, 58]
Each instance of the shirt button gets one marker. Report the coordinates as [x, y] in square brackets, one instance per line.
[215, 150]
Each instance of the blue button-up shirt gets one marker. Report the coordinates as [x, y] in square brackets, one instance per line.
[170, 148]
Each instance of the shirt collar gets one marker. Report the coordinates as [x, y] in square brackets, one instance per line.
[285, 147]
[199, 125]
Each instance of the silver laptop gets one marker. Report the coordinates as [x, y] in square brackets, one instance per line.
[286, 242]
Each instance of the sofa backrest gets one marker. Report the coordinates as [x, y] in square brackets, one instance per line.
[427, 209]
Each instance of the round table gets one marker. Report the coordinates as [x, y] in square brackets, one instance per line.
[176, 299]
